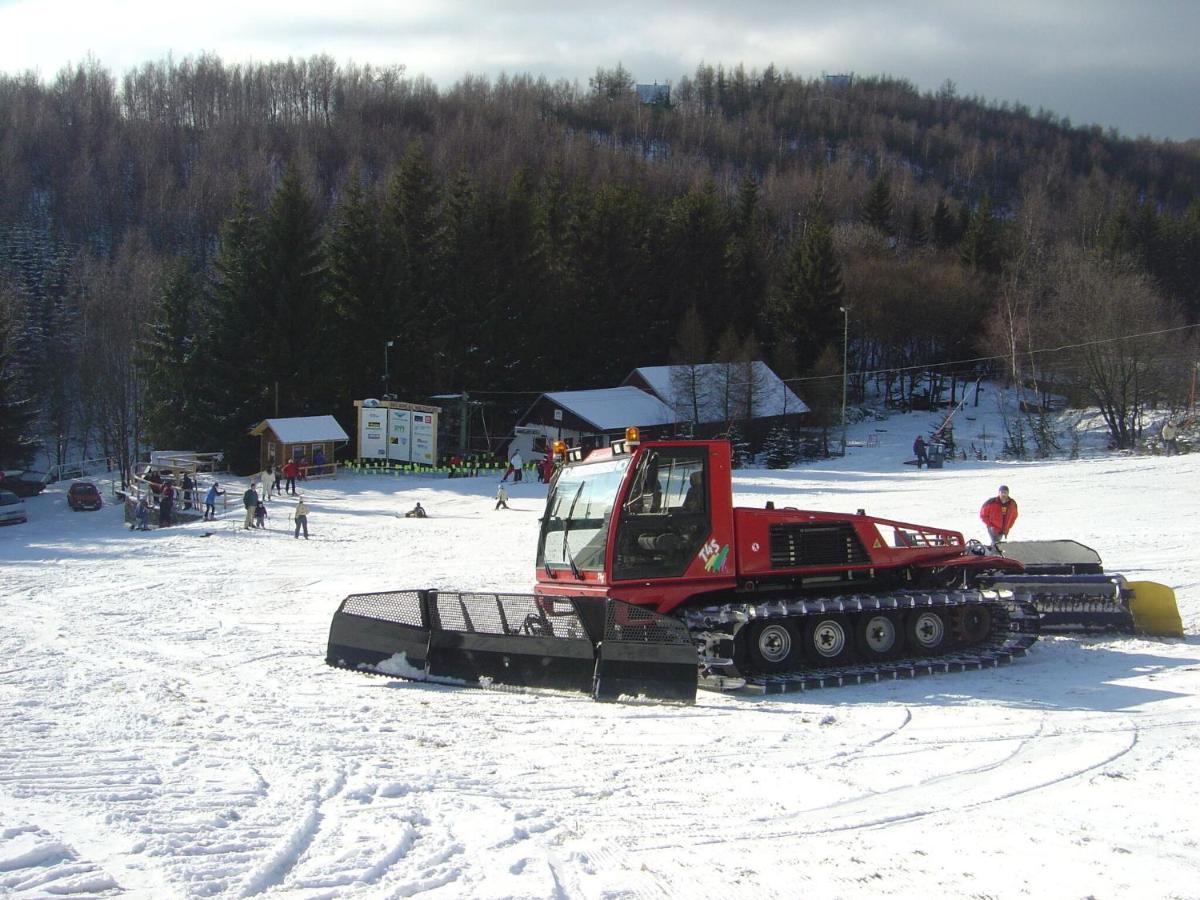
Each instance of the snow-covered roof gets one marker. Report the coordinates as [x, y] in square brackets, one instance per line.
[772, 397]
[303, 429]
[619, 407]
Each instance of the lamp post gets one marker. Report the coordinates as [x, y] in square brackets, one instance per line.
[845, 354]
[386, 379]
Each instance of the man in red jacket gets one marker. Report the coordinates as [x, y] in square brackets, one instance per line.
[999, 514]
[290, 471]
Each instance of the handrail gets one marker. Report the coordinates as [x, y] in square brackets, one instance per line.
[58, 471]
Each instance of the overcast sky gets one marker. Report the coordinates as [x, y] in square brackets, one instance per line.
[1129, 65]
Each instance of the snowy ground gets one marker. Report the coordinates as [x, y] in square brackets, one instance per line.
[168, 727]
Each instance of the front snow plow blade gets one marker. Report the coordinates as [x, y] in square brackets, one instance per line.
[598, 646]
[1067, 585]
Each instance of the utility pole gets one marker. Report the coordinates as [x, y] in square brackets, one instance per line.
[386, 379]
[463, 421]
[845, 355]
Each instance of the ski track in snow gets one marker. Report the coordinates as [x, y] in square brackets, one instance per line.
[168, 727]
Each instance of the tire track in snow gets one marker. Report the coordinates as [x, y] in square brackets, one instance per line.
[861, 813]
[284, 857]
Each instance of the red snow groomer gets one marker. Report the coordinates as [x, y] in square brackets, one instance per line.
[651, 583]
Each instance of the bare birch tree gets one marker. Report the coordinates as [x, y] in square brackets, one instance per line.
[1114, 328]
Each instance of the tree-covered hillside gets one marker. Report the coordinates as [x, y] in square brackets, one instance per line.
[191, 246]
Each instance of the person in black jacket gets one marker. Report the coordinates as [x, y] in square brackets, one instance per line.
[920, 450]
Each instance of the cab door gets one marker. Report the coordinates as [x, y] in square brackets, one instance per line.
[665, 520]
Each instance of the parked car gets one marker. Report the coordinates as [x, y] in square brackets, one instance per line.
[23, 483]
[84, 495]
[12, 508]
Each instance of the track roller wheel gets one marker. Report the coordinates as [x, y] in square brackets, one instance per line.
[927, 632]
[828, 640]
[772, 646]
[879, 635]
[971, 624]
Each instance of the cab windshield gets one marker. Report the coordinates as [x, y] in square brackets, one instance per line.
[575, 527]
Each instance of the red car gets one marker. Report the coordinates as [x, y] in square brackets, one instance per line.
[84, 495]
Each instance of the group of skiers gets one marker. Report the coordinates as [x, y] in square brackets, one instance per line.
[516, 468]
[256, 506]
[162, 493]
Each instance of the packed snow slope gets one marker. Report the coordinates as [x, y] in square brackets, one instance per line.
[168, 727]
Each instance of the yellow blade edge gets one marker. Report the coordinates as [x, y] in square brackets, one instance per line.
[1154, 609]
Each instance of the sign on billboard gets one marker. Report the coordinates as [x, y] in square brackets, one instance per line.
[423, 438]
[372, 434]
[399, 435]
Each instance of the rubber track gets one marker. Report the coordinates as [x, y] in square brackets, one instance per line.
[1014, 630]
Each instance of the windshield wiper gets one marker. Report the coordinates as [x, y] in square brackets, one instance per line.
[567, 554]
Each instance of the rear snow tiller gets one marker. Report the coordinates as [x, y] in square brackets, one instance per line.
[609, 649]
[1066, 582]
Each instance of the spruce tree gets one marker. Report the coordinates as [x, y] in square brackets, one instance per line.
[779, 448]
[980, 249]
[520, 284]
[355, 301]
[468, 257]
[414, 248]
[810, 305]
[942, 227]
[915, 231]
[745, 266]
[877, 208]
[608, 320]
[289, 323]
[230, 392]
[168, 360]
[17, 412]
[691, 264]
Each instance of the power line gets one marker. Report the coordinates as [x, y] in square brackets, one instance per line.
[925, 367]
[922, 367]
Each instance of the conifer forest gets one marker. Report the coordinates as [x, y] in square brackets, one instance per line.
[191, 246]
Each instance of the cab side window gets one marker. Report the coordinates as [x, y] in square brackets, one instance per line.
[665, 519]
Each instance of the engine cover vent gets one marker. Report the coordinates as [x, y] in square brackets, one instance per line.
[801, 544]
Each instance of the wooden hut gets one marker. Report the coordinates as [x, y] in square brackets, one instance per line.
[311, 438]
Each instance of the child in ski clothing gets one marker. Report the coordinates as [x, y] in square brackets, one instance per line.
[999, 514]
[250, 501]
[141, 516]
[501, 497]
[277, 472]
[260, 514]
[301, 515]
[210, 501]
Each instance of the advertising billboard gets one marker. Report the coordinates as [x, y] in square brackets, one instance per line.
[395, 432]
